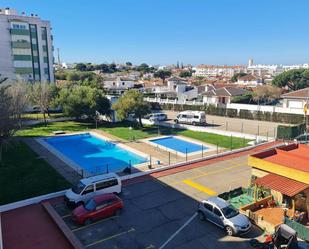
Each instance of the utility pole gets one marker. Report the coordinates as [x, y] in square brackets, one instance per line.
[58, 51]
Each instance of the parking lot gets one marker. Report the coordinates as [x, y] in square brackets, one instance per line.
[161, 212]
[254, 127]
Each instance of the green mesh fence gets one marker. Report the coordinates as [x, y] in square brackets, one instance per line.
[302, 231]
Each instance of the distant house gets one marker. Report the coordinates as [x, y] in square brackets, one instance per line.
[249, 80]
[296, 99]
[176, 88]
[118, 85]
[221, 96]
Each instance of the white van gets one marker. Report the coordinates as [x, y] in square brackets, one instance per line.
[91, 186]
[191, 117]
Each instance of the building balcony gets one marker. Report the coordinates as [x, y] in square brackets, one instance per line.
[21, 44]
[18, 57]
[19, 31]
[23, 70]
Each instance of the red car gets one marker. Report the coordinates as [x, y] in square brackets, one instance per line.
[99, 207]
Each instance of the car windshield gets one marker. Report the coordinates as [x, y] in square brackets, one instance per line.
[78, 188]
[90, 205]
[229, 211]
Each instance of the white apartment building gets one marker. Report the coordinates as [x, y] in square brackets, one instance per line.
[26, 51]
[214, 71]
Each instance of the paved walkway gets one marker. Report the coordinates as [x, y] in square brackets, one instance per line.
[61, 167]
[31, 228]
[164, 156]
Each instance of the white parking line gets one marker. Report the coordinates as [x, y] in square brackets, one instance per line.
[178, 231]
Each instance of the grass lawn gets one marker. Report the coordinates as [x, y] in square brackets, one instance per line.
[36, 116]
[149, 131]
[24, 175]
[123, 131]
[41, 130]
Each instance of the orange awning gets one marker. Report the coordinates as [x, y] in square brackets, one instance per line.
[281, 184]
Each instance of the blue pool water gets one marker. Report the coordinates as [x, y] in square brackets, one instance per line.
[93, 154]
[178, 144]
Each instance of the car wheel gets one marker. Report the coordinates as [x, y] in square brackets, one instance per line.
[229, 230]
[176, 121]
[201, 216]
[88, 222]
[194, 123]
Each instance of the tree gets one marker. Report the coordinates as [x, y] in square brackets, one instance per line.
[243, 99]
[162, 74]
[81, 67]
[266, 93]
[237, 75]
[8, 122]
[129, 64]
[185, 74]
[144, 68]
[294, 79]
[19, 99]
[40, 94]
[73, 76]
[77, 100]
[132, 102]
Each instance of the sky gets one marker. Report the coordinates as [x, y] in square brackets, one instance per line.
[218, 32]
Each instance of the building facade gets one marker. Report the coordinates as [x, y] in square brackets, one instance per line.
[25, 47]
[214, 71]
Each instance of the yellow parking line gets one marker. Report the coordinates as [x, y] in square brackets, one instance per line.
[92, 224]
[215, 171]
[208, 191]
[169, 183]
[110, 237]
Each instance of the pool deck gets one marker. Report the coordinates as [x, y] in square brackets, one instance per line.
[207, 147]
[60, 166]
[159, 156]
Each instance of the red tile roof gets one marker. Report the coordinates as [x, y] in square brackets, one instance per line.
[281, 184]
[295, 156]
[302, 94]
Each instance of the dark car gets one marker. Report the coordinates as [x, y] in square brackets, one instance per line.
[99, 207]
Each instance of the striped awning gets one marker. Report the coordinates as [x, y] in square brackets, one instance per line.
[281, 184]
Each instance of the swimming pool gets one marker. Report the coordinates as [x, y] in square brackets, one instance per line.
[93, 154]
[178, 144]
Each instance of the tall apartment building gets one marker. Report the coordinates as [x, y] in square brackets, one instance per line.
[26, 51]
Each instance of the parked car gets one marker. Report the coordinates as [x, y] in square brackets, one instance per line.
[92, 186]
[303, 139]
[157, 117]
[98, 207]
[224, 215]
[191, 117]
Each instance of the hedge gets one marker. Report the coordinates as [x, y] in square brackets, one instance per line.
[290, 132]
[232, 113]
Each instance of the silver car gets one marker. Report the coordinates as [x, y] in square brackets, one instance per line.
[303, 139]
[224, 215]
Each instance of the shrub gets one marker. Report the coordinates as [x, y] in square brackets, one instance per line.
[290, 132]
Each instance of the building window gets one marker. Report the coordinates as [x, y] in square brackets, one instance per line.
[123, 83]
[19, 26]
